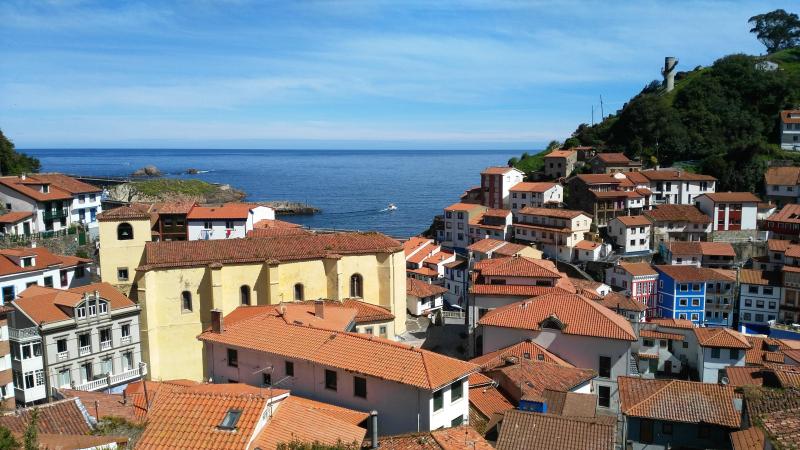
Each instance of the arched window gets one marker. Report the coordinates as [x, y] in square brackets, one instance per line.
[186, 301]
[244, 294]
[299, 295]
[356, 286]
[124, 231]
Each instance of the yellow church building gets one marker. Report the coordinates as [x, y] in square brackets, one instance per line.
[178, 283]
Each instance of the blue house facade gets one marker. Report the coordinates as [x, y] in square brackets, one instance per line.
[682, 292]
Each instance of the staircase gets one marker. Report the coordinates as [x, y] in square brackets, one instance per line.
[633, 366]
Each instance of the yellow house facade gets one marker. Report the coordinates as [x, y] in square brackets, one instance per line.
[178, 284]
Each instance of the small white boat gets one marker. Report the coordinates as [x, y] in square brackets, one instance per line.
[391, 207]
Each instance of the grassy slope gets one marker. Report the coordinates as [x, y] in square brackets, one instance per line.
[158, 187]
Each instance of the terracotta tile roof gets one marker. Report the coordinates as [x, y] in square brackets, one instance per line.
[683, 274]
[616, 194]
[613, 158]
[788, 214]
[786, 116]
[634, 221]
[43, 305]
[728, 197]
[639, 269]
[277, 232]
[368, 355]
[744, 375]
[761, 277]
[523, 350]
[291, 248]
[367, 312]
[486, 245]
[424, 271]
[792, 354]
[579, 316]
[65, 183]
[760, 351]
[498, 170]
[532, 187]
[44, 259]
[438, 258]
[720, 338]
[336, 316]
[760, 400]
[513, 290]
[29, 188]
[678, 248]
[551, 212]
[421, 289]
[488, 400]
[571, 404]
[310, 421]
[422, 253]
[673, 323]
[464, 207]
[533, 377]
[226, 211]
[477, 379]
[456, 438]
[173, 207]
[586, 245]
[133, 211]
[778, 245]
[15, 216]
[749, 439]
[510, 249]
[60, 417]
[79, 441]
[616, 301]
[675, 175]
[782, 176]
[560, 154]
[653, 334]
[677, 213]
[517, 266]
[790, 343]
[783, 428]
[678, 401]
[525, 430]
[600, 178]
[415, 242]
[101, 405]
[186, 419]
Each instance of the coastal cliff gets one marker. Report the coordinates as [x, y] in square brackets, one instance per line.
[170, 189]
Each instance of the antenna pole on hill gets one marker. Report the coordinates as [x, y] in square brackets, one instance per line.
[602, 113]
[592, 115]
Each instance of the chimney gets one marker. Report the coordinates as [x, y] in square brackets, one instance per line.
[23, 177]
[373, 429]
[216, 321]
[33, 244]
[319, 308]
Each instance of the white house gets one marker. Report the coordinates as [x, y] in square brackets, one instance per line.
[631, 234]
[536, 195]
[17, 223]
[229, 220]
[585, 250]
[456, 280]
[422, 297]
[678, 223]
[492, 223]
[555, 231]
[759, 300]
[457, 216]
[655, 352]
[56, 200]
[581, 331]
[790, 129]
[410, 388]
[84, 338]
[673, 186]
[21, 268]
[782, 185]
[639, 280]
[730, 211]
[496, 183]
[716, 349]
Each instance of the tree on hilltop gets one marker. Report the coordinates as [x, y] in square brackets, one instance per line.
[777, 30]
[13, 162]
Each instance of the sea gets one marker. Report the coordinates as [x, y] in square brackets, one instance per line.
[353, 188]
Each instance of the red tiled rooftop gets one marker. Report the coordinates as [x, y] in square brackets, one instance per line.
[782, 176]
[526, 431]
[675, 175]
[720, 338]
[497, 170]
[634, 221]
[367, 312]
[15, 216]
[560, 154]
[788, 214]
[689, 274]
[44, 259]
[551, 212]
[225, 211]
[514, 290]
[532, 187]
[46, 305]
[421, 289]
[517, 266]
[673, 323]
[677, 213]
[520, 351]
[729, 197]
[653, 334]
[579, 316]
[639, 269]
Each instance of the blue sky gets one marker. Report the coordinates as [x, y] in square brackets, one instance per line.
[340, 74]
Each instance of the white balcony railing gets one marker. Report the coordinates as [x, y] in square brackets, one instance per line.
[62, 356]
[85, 350]
[105, 345]
[23, 334]
[113, 380]
[125, 340]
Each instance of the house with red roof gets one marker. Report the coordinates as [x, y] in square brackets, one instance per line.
[784, 224]
[555, 231]
[559, 164]
[673, 186]
[21, 268]
[226, 221]
[613, 163]
[782, 185]
[16, 223]
[637, 280]
[581, 331]
[537, 195]
[492, 223]
[84, 338]
[496, 182]
[716, 349]
[55, 200]
[730, 211]
[631, 234]
[423, 298]
[410, 388]
[457, 217]
[705, 254]
[678, 223]
[790, 129]
[760, 295]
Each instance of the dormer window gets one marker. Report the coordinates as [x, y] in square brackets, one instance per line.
[80, 312]
[27, 261]
[231, 419]
[45, 188]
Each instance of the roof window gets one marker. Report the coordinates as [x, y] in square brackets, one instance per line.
[231, 419]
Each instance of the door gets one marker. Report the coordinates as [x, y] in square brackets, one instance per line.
[646, 431]
[668, 366]
[26, 228]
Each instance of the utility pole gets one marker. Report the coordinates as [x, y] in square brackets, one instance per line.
[602, 112]
[592, 115]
